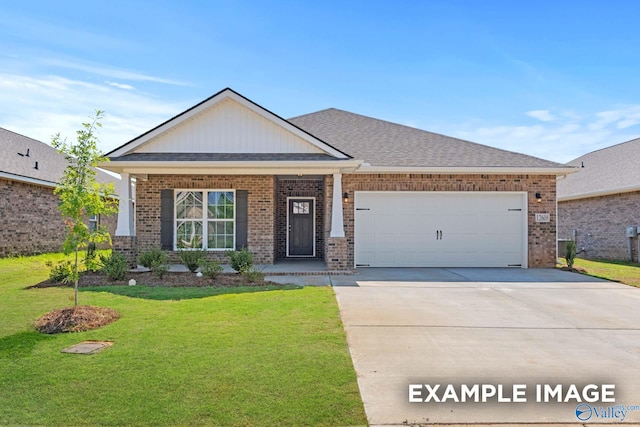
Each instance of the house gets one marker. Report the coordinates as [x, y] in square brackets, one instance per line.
[332, 185]
[598, 204]
[30, 221]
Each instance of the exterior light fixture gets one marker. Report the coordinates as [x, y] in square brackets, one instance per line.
[345, 197]
[538, 198]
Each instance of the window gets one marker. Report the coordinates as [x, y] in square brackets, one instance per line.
[300, 207]
[205, 219]
[94, 221]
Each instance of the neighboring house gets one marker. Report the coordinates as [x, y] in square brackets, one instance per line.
[332, 185]
[30, 221]
[598, 204]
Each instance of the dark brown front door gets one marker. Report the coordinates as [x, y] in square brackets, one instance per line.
[301, 235]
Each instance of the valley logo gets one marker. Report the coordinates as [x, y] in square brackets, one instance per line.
[585, 412]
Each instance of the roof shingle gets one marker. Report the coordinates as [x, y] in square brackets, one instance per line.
[51, 164]
[611, 169]
[382, 143]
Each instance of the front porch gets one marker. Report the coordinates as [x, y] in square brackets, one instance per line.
[279, 218]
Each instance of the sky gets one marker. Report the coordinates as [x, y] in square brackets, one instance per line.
[553, 79]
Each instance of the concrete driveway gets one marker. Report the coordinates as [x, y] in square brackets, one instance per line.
[494, 327]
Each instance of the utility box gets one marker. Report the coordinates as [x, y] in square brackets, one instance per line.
[632, 231]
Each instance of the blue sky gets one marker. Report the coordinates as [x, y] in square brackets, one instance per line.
[554, 79]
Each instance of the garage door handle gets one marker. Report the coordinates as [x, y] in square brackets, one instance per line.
[438, 234]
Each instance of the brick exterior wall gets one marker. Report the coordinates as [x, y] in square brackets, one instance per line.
[267, 208]
[260, 204]
[542, 236]
[600, 224]
[30, 220]
[293, 187]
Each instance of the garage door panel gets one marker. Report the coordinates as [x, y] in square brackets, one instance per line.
[413, 229]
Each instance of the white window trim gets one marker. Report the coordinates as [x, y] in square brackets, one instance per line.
[204, 218]
[94, 218]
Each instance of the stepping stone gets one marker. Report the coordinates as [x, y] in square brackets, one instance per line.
[87, 347]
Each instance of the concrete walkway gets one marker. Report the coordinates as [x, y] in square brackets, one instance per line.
[488, 326]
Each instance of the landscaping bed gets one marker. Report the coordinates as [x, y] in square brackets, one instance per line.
[173, 279]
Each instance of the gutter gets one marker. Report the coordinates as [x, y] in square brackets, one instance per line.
[252, 167]
[27, 179]
[599, 193]
[509, 170]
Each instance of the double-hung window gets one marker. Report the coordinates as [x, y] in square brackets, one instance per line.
[94, 222]
[205, 219]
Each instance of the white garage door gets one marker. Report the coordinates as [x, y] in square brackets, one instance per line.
[440, 229]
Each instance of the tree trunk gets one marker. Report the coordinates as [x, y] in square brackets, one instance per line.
[75, 282]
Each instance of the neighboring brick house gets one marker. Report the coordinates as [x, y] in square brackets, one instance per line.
[332, 185]
[598, 204]
[30, 221]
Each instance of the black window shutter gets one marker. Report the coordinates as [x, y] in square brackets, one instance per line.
[166, 219]
[242, 215]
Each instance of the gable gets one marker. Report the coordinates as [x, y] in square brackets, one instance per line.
[228, 127]
[227, 122]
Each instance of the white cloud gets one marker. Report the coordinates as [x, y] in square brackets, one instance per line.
[566, 137]
[40, 107]
[542, 115]
[121, 85]
[107, 71]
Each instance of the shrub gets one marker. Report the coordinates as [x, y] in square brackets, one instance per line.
[160, 267]
[62, 272]
[147, 258]
[209, 268]
[241, 261]
[254, 275]
[115, 266]
[570, 253]
[191, 258]
[91, 262]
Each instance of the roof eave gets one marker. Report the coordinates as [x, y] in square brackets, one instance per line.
[232, 167]
[473, 170]
[599, 193]
[28, 179]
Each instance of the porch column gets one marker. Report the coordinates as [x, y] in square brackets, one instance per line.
[337, 218]
[125, 216]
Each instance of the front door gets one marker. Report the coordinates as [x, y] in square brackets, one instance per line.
[301, 231]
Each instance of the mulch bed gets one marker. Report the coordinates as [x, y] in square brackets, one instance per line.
[574, 269]
[168, 280]
[76, 319]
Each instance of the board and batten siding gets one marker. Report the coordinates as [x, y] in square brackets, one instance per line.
[228, 127]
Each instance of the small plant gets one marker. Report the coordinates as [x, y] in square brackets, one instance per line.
[147, 258]
[115, 266]
[254, 275]
[210, 268]
[160, 267]
[191, 258]
[241, 261]
[62, 272]
[570, 253]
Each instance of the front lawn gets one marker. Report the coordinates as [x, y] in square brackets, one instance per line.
[254, 358]
[618, 271]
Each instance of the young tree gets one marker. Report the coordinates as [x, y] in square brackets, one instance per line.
[80, 194]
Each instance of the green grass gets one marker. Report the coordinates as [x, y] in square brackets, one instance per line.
[619, 271]
[255, 358]
[178, 293]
